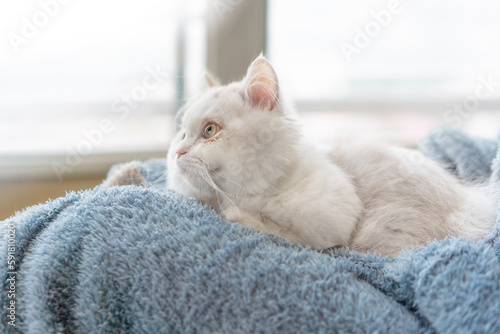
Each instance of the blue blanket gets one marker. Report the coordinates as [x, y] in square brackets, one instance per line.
[145, 260]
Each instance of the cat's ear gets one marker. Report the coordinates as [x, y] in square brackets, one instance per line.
[260, 85]
[211, 81]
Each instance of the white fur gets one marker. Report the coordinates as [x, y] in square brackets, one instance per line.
[259, 170]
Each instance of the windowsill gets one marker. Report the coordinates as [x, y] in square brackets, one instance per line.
[61, 167]
[80, 148]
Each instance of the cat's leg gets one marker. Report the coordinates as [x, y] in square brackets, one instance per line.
[236, 215]
[128, 174]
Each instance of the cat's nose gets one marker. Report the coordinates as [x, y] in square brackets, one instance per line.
[180, 153]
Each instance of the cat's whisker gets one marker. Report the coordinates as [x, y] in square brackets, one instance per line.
[217, 189]
[220, 191]
[160, 179]
[236, 183]
[222, 176]
[206, 177]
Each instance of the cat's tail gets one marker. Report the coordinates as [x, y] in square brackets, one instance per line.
[494, 185]
[128, 174]
[495, 170]
[479, 217]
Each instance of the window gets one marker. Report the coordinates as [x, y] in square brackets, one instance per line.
[87, 84]
[385, 53]
[81, 80]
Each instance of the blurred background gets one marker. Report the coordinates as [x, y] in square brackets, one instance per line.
[87, 84]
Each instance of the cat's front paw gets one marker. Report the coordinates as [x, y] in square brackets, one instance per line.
[233, 214]
[242, 217]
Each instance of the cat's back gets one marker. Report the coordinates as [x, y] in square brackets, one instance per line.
[407, 198]
[379, 164]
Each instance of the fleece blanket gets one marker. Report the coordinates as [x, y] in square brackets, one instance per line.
[145, 260]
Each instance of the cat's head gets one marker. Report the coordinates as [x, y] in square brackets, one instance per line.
[238, 139]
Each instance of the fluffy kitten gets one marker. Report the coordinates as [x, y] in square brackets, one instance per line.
[241, 150]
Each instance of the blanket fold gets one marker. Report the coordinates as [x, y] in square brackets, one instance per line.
[145, 260]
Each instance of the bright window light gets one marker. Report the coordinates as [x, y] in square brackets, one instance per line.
[72, 68]
[416, 52]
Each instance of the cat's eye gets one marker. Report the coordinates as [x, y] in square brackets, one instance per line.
[210, 130]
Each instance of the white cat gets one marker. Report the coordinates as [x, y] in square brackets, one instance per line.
[241, 150]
